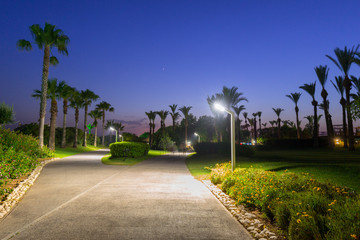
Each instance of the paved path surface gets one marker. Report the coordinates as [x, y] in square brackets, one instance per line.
[80, 198]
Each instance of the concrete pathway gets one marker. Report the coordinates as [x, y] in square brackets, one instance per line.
[80, 198]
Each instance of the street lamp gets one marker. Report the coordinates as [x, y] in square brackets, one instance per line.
[116, 133]
[198, 136]
[232, 129]
[121, 137]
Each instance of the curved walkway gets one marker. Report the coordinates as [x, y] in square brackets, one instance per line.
[80, 198]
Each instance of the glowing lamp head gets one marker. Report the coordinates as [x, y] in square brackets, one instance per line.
[219, 107]
[196, 134]
[112, 129]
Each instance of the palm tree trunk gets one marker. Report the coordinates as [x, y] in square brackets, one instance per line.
[174, 125]
[95, 140]
[44, 85]
[316, 126]
[347, 84]
[103, 129]
[255, 132]
[297, 122]
[63, 141]
[85, 121]
[259, 126]
[150, 133]
[76, 127]
[186, 125]
[279, 134]
[344, 123]
[53, 111]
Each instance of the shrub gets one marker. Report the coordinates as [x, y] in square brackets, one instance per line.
[223, 148]
[19, 155]
[301, 206]
[291, 143]
[129, 149]
[6, 114]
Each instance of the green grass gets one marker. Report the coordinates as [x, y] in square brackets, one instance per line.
[107, 159]
[338, 167]
[68, 151]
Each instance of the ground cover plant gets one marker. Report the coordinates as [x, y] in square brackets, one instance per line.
[19, 155]
[109, 160]
[301, 206]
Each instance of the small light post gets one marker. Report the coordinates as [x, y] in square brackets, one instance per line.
[121, 137]
[232, 130]
[116, 133]
[197, 136]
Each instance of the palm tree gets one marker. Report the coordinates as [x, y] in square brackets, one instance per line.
[76, 103]
[110, 124]
[185, 111]
[278, 112]
[339, 86]
[65, 92]
[230, 97]
[174, 115]
[295, 98]
[255, 130]
[48, 38]
[103, 107]
[88, 97]
[356, 83]
[95, 114]
[259, 115]
[310, 89]
[118, 126]
[344, 59]
[245, 114]
[162, 114]
[322, 74]
[151, 115]
[53, 94]
[237, 111]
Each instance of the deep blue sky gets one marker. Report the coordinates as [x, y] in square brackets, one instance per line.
[146, 55]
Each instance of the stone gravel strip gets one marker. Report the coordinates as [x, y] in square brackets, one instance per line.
[255, 226]
[15, 196]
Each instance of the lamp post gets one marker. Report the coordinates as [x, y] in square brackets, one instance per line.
[116, 133]
[121, 137]
[198, 136]
[232, 129]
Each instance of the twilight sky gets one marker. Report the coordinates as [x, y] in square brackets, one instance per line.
[145, 55]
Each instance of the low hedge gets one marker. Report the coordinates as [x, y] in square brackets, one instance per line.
[129, 149]
[300, 205]
[291, 143]
[223, 148]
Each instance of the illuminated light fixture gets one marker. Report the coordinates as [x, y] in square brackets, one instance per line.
[197, 136]
[221, 108]
[116, 133]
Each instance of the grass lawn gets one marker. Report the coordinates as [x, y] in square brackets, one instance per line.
[338, 167]
[107, 159]
[68, 151]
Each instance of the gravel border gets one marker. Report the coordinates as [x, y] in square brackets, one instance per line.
[16, 195]
[255, 226]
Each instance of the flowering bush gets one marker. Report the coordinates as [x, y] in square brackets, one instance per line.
[19, 155]
[301, 206]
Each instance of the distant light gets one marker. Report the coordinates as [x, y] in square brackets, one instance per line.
[189, 143]
[219, 107]
[111, 128]
[196, 134]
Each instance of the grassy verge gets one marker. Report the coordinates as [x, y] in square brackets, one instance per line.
[338, 166]
[68, 151]
[107, 159]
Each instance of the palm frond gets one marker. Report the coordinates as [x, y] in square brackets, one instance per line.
[23, 44]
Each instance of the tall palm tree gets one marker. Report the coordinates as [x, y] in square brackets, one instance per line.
[95, 114]
[259, 115]
[174, 115]
[65, 92]
[151, 115]
[53, 94]
[238, 110]
[255, 130]
[88, 97]
[339, 86]
[118, 126]
[245, 114]
[185, 111]
[278, 112]
[356, 83]
[48, 38]
[103, 107]
[76, 103]
[322, 74]
[310, 89]
[110, 124]
[162, 114]
[295, 98]
[231, 97]
[344, 59]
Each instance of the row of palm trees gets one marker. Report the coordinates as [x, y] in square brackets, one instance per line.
[77, 100]
[163, 115]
